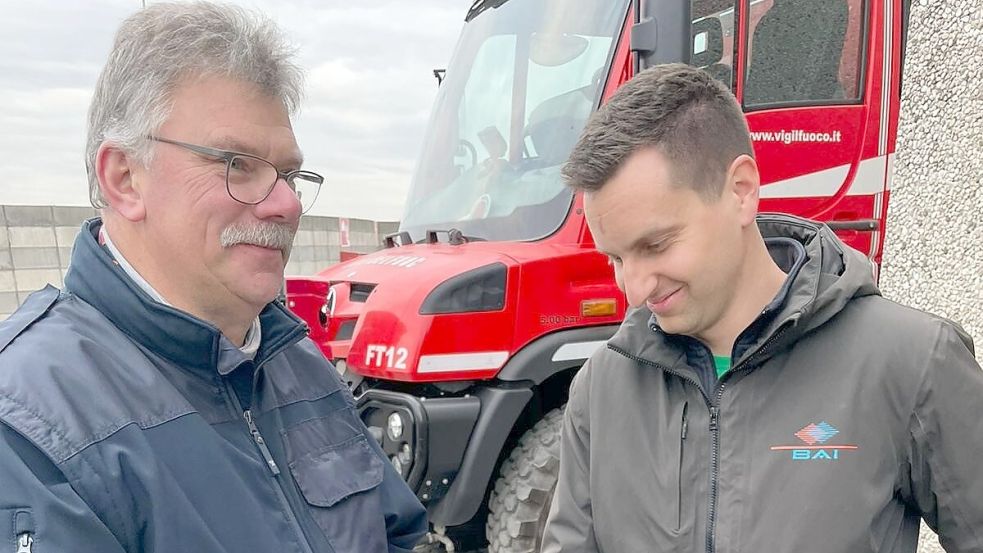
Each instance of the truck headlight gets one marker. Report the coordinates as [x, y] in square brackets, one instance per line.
[395, 426]
[481, 289]
[398, 465]
[405, 454]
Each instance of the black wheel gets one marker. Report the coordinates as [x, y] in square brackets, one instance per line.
[520, 501]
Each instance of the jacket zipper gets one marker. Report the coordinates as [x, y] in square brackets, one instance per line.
[714, 470]
[664, 368]
[715, 434]
[713, 430]
[682, 433]
[292, 517]
[261, 443]
[679, 487]
[25, 543]
[714, 419]
[287, 340]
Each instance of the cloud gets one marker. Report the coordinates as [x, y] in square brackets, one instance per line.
[370, 88]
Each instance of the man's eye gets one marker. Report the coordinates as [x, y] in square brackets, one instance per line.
[614, 260]
[239, 164]
[657, 247]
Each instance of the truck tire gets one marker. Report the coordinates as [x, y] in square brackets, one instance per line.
[520, 501]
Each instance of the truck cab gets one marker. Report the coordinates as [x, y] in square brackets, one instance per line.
[460, 337]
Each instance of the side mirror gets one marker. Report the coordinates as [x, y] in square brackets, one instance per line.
[707, 42]
[439, 75]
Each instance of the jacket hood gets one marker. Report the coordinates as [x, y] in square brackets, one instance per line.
[831, 275]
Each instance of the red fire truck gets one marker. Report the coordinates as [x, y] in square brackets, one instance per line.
[461, 336]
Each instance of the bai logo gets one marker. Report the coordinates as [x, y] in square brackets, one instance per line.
[814, 446]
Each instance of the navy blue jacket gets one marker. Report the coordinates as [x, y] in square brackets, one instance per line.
[123, 427]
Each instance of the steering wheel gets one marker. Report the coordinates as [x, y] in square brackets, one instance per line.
[472, 151]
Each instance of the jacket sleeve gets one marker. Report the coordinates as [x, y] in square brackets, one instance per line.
[946, 445]
[37, 499]
[406, 519]
[570, 526]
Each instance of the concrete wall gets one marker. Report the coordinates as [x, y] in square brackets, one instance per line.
[933, 256]
[318, 242]
[934, 247]
[36, 244]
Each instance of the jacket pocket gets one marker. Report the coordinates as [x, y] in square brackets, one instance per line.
[340, 482]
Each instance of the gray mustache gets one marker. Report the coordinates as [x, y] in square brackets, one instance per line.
[266, 235]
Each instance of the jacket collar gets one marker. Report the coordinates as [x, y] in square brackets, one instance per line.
[95, 277]
[827, 276]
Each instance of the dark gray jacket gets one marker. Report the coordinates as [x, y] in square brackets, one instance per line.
[122, 428]
[846, 419]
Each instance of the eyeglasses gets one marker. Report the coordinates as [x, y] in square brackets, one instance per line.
[250, 179]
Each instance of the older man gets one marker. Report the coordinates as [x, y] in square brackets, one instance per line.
[163, 401]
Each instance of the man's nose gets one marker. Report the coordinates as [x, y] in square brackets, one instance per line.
[638, 281]
[282, 203]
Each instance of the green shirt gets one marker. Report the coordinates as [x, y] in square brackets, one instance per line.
[722, 363]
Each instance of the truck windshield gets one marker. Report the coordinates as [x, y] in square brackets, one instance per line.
[525, 76]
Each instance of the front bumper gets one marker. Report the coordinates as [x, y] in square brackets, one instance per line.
[455, 443]
[436, 429]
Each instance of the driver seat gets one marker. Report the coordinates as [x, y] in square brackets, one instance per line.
[554, 125]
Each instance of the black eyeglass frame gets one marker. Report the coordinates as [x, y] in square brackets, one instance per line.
[228, 157]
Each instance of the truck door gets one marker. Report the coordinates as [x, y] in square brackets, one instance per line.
[818, 82]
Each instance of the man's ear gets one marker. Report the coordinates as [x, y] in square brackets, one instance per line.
[118, 183]
[744, 181]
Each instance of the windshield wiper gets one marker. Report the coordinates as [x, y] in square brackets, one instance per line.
[481, 5]
[401, 238]
[454, 237]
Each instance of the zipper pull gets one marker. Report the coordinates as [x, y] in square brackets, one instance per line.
[714, 413]
[25, 543]
[258, 438]
[685, 421]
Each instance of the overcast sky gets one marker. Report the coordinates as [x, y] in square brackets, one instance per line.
[369, 93]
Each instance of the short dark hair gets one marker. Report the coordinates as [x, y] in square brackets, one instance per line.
[683, 112]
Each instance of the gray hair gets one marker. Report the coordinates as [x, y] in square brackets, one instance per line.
[164, 43]
[687, 115]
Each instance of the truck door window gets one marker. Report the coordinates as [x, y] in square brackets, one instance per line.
[713, 38]
[804, 51]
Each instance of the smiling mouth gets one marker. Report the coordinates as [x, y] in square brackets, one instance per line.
[660, 303]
